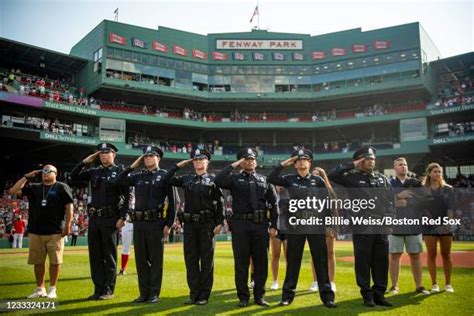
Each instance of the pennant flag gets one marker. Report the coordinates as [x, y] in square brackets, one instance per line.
[338, 52]
[239, 56]
[278, 56]
[318, 55]
[219, 56]
[382, 44]
[258, 56]
[359, 48]
[160, 47]
[298, 56]
[255, 12]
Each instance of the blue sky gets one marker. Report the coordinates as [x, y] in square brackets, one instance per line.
[59, 24]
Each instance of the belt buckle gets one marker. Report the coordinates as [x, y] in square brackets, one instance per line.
[99, 212]
[146, 215]
[139, 215]
[195, 217]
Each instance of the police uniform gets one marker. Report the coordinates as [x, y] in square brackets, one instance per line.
[301, 188]
[104, 212]
[152, 194]
[203, 211]
[370, 245]
[251, 197]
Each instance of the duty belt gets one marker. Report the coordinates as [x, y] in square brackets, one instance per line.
[258, 216]
[106, 211]
[203, 217]
[146, 216]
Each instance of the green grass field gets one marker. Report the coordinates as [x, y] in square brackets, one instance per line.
[17, 281]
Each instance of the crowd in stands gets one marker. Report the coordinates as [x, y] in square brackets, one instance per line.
[456, 92]
[140, 140]
[55, 90]
[46, 124]
[63, 92]
[454, 128]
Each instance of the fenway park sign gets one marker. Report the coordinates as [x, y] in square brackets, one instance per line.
[258, 44]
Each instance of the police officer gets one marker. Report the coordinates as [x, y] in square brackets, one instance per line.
[202, 219]
[300, 186]
[151, 222]
[370, 245]
[251, 197]
[107, 214]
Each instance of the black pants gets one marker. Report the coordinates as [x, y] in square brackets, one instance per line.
[294, 254]
[102, 239]
[199, 247]
[148, 243]
[73, 240]
[250, 240]
[371, 258]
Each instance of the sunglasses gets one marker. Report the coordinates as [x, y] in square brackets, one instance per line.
[47, 171]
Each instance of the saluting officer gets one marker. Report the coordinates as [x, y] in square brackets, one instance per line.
[106, 216]
[300, 186]
[251, 197]
[152, 218]
[370, 245]
[202, 219]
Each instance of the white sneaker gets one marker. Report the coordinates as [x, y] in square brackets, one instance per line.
[39, 292]
[52, 293]
[314, 287]
[435, 288]
[252, 284]
[449, 288]
[274, 286]
[394, 290]
[333, 287]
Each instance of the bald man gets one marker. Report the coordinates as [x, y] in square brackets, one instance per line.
[50, 203]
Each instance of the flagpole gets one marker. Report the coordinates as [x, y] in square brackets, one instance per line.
[258, 16]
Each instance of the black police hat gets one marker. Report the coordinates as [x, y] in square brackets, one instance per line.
[153, 151]
[364, 152]
[106, 147]
[200, 154]
[247, 153]
[303, 154]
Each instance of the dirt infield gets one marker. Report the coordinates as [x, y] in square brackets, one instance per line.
[460, 259]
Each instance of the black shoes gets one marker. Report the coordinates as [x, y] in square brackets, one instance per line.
[94, 297]
[262, 302]
[284, 303]
[152, 299]
[369, 303]
[201, 302]
[383, 302]
[190, 301]
[140, 299]
[330, 304]
[243, 303]
[106, 297]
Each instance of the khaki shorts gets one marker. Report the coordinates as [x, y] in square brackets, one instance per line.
[42, 245]
[413, 243]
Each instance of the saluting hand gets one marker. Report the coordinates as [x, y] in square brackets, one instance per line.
[183, 163]
[90, 159]
[357, 162]
[137, 162]
[237, 163]
[32, 174]
[289, 161]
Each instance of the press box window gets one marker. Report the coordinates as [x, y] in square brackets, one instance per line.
[97, 58]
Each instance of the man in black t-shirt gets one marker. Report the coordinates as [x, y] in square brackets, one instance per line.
[49, 202]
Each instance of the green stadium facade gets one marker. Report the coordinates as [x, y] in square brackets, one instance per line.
[331, 93]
